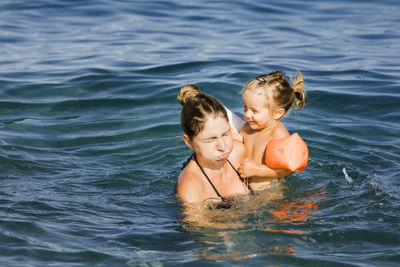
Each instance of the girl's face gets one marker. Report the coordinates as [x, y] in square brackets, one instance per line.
[214, 143]
[256, 110]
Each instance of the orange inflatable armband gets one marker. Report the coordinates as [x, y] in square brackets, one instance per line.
[289, 153]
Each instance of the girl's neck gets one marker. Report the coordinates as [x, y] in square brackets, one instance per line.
[267, 129]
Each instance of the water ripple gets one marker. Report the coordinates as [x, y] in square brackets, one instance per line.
[90, 145]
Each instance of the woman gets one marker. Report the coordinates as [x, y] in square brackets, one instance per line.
[211, 172]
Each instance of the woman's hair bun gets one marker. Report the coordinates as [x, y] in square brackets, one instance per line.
[187, 92]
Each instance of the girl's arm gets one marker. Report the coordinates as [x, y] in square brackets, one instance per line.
[249, 168]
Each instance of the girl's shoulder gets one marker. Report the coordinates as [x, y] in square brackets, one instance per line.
[279, 131]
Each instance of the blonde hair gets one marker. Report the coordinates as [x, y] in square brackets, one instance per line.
[278, 87]
[186, 92]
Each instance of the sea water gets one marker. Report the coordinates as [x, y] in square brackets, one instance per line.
[90, 146]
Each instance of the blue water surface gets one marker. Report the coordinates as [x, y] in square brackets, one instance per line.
[90, 146]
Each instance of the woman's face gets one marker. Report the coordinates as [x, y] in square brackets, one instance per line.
[214, 143]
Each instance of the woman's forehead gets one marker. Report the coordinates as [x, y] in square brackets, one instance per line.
[214, 126]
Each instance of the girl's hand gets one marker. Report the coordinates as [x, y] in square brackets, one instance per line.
[248, 168]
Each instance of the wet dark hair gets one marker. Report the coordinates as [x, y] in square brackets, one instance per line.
[187, 91]
[195, 111]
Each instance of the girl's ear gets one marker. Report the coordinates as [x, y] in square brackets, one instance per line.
[278, 113]
[187, 141]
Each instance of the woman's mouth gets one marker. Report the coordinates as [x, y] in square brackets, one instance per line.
[224, 156]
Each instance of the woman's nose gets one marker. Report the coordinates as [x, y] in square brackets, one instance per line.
[221, 144]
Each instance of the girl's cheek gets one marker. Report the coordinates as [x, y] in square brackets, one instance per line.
[247, 114]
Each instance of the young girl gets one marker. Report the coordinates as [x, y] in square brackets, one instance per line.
[266, 99]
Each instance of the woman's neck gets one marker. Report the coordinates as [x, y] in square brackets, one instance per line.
[214, 166]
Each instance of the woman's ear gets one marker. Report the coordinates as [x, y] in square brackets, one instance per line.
[278, 113]
[187, 141]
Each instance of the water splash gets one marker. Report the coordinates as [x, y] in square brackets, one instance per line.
[348, 178]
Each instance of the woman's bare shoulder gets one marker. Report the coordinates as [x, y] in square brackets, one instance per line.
[237, 154]
[189, 185]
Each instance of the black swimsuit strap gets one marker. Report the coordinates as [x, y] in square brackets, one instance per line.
[247, 185]
[208, 179]
[187, 162]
